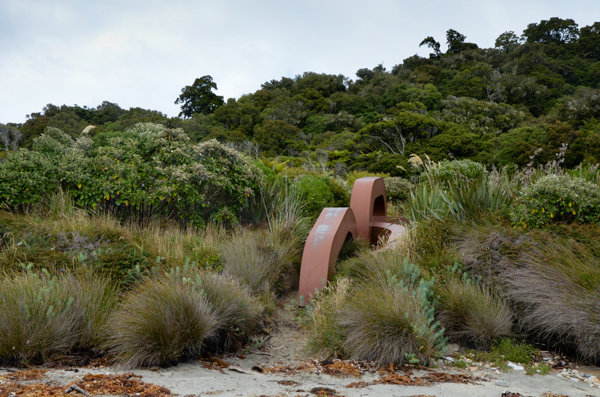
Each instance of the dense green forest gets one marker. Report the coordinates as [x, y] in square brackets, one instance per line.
[492, 105]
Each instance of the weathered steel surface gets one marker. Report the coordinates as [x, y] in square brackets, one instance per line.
[322, 248]
[366, 218]
[368, 200]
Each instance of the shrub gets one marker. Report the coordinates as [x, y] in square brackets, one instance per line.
[446, 172]
[471, 313]
[352, 176]
[390, 321]
[161, 322]
[557, 199]
[398, 189]
[316, 194]
[340, 190]
[152, 170]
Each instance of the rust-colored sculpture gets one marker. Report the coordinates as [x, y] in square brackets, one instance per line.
[366, 218]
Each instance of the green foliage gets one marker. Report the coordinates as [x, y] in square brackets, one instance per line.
[517, 352]
[151, 171]
[199, 98]
[352, 176]
[397, 189]
[557, 198]
[315, 193]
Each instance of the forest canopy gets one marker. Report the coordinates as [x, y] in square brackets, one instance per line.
[497, 106]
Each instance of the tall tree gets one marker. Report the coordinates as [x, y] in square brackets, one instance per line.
[507, 41]
[456, 42]
[199, 97]
[434, 45]
[555, 30]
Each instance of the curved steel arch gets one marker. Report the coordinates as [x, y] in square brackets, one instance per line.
[366, 218]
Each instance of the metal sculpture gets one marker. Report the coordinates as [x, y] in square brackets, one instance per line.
[366, 218]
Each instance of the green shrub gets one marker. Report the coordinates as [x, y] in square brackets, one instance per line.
[316, 194]
[471, 313]
[398, 189]
[557, 199]
[151, 171]
[340, 190]
[352, 176]
[517, 352]
[161, 322]
[446, 172]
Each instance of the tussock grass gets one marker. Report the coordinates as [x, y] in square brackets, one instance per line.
[384, 316]
[41, 315]
[558, 286]
[326, 336]
[161, 322]
[238, 313]
[471, 313]
[263, 261]
[389, 323]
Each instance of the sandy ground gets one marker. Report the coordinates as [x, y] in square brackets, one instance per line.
[193, 379]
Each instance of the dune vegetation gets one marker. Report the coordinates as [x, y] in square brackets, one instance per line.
[150, 240]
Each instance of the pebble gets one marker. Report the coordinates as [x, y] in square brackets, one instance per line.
[449, 359]
[501, 383]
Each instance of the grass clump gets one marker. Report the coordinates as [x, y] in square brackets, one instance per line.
[161, 322]
[471, 313]
[42, 315]
[180, 315]
[558, 286]
[385, 316]
[326, 335]
[238, 313]
[388, 321]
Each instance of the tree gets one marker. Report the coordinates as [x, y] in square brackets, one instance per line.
[199, 97]
[434, 45]
[10, 137]
[507, 41]
[555, 30]
[588, 44]
[456, 42]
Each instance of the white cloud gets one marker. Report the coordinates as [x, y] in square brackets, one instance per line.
[141, 53]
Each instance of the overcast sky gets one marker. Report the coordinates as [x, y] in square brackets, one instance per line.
[142, 53]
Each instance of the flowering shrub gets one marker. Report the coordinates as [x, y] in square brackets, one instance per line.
[154, 171]
[557, 199]
[450, 171]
